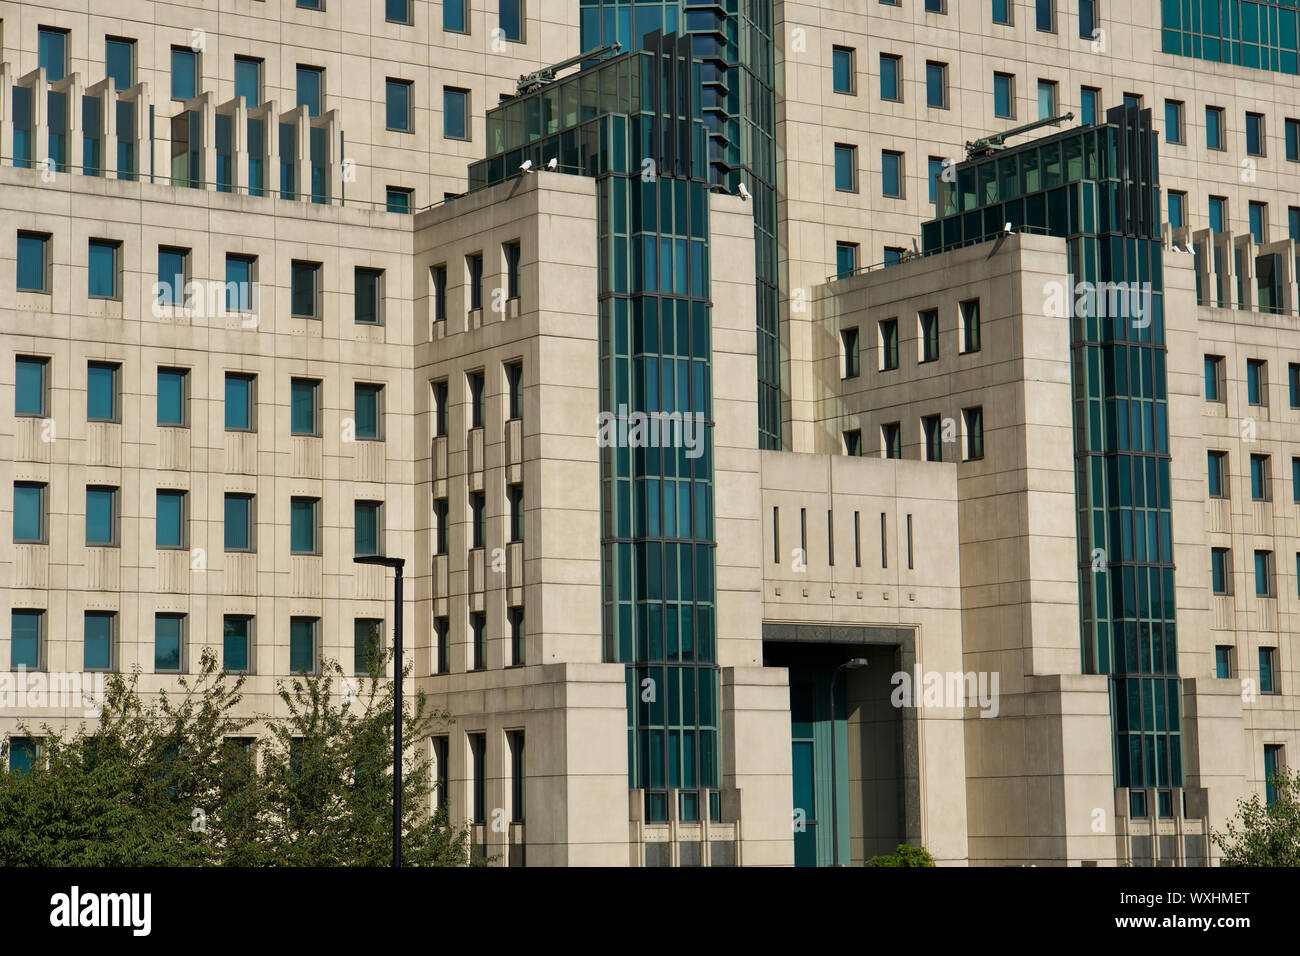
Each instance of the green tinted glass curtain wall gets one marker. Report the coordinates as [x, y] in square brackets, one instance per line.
[1262, 34]
[1098, 188]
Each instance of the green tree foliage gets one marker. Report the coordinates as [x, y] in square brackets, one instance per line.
[903, 856]
[175, 782]
[1262, 835]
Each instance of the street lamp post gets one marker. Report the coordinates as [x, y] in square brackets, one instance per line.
[396, 564]
[852, 664]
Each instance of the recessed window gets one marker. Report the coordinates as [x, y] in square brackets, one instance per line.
[973, 422]
[1214, 378]
[1223, 668]
[510, 19]
[850, 364]
[478, 637]
[515, 510]
[1257, 382]
[119, 62]
[239, 527]
[311, 4]
[1174, 122]
[101, 516]
[1087, 19]
[304, 406]
[888, 344]
[1220, 571]
[1218, 213]
[454, 18]
[844, 70]
[846, 168]
[304, 290]
[185, 73]
[932, 437]
[1295, 480]
[103, 264]
[237, 643]
[1257, 214]
[891, 174]
[935, 167]
[240, 402]
[1259, 478]
[936, 85]
[31, 386]
[1255, 134]
[240, 277]
[1274, 772]
[1217, 473]
[936, 6]
[455, 113]
[304, 525]
[477, 519]
[397, 11]
[26, 639]
[440, 408]
[168, 642]
[1045, 16]
[173, 274]
[927, 328]
[515, 618]
[368, 296]
[398, 199]
[303, 641]
[31, 521]
[1177, 209]
[33, 262]
[1214, 128]
[441, 518]
[368, 527]
[891, 440]
[367, 645]
[846, 259]
[853, 442]
[514, 390]
[1047, 98]
[474, 279]
[170, 519]
[1089, 105]
[173, 396]
[1292, 135]
[98, 640]
[310, 86]
[442, 636]
[891, 78]
[511, 252]
[248, 80]
[397, 95]
[368, 410]
[53, 52]
[970, 325]
[438, 289]
[1264, 574]
[1002, 12]
[1004, 96]
[1268, 670]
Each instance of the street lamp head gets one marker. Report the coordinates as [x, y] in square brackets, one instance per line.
[856, 662]
[379, 559]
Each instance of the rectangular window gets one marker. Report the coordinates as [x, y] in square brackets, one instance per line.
[853, 442]
[304, 525]
[397, 100]
[368, 296]
[53, 52]
[1174, 122]
[367, 645]
[970, 325]
[973, 419]
[169, 519]
[1217, 466]
[236, 643]
[515, 744]
[846, 168]
[185, 73]
[936, 6]
[1264, 574]
[1177, 209]
[510, 252]
[26, 630]
[398, 199]
[1223, 661]
[515, 615]
[454, 19]
[367, 517]
[173, 274]
[474, 386]
[102, 391]
[1295, 480]
[173, 396]
[1214, 128]
[310, 83]
[31, 386]
[302, 644]
[442, 635]
[1256, 382]
[893, 255]
[849, 340]
[891, 78]
[22, 754]
[438, 283]
[397, 11]
[510, 18]
[935, 166]
[240, 532]
[455, 113]
[891, 174]
[1292, 131]
[1214, 378]
[239, 282]
[1255, 134]
[1274, 772]
[1268, 670]
[478, 777]
[368, 401]
[514, 390]
[932, 437]
[478, 633]
[102, 268]
[477, 518]
[248, 80]
[1133, 101]
[101, 516]
[1220, 571]
[891, 440]
[1004, 96]
[1045, 16]
[168, 642]
[888, 344]
[119, 62]
[1046, 99]
[441, 516]
[304, 406]
[846, 259]
[31, 521]
[1293, 383]
[1218, 213]
[240, 401]
[305, 289]
[1258, 218]
[1002, 12]
[1087, 19]
[927, 328]
[844, 70]
[515, 503]
[474, 278]
[936, 85]
[1259, 478]
[33, 262]
[439, 409]
[97, 640]
[1089, 105]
